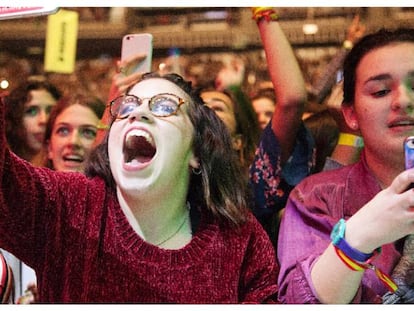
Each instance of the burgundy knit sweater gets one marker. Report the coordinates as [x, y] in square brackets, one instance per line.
[72, 231]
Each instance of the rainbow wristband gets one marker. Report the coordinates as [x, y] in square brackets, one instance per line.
[347, 139]
[360, 266]
[350, 263]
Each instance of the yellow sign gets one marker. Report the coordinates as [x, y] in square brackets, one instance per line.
[61, 39]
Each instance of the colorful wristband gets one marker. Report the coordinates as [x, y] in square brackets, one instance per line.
[357, 266]
[351, 264]
[338, 239]
[347, 139]
[268, 13]
[353, 253]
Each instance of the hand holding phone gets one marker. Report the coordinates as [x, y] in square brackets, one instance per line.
[136, 53]
[409, 152]
[409, 155]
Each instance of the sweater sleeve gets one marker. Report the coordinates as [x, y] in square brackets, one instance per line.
[26, 193]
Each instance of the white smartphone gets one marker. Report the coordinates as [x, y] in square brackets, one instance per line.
[134, 44]
[8, 12]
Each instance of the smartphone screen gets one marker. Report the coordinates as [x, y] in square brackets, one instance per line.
[339, 76]
[134, 44]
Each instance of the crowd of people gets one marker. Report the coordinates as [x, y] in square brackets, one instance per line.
[182, 190]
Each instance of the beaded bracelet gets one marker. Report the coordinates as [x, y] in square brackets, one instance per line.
[268, 13]
[362, 266]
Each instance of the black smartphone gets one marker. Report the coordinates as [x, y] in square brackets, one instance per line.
[409, 155]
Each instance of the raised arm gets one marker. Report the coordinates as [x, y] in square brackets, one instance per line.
[326, 80]
[120, 83]
[288, 83]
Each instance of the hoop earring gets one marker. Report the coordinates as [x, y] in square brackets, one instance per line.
[196, 171]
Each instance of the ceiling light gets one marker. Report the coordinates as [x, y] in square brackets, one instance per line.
[310, 29]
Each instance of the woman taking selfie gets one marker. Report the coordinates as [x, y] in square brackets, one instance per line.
[160, 217]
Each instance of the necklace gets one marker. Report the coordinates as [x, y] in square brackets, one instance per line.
[174, 233]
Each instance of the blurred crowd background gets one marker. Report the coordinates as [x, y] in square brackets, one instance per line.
[196, 41]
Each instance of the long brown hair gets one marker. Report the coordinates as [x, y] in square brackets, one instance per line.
[87, 100]
[14, 103]
[219, 187]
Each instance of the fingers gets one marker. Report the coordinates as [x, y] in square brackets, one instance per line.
[403, 182]
[355, 22]
[125, 64]
[356, 29]
[134, 59]
[123, 82]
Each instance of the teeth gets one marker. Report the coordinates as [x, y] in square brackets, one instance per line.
[139, 133]
[73, 158]
[402, 123]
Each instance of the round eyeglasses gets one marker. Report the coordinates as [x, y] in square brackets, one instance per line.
[160, 105]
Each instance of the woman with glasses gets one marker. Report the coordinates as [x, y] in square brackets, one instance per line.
[160, 217]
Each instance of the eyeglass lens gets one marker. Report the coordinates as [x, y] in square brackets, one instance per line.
[161, 105]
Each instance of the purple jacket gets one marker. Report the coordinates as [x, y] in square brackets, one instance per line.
[312, 210]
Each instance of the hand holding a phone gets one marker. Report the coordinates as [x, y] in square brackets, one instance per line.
[120, 83]
[127, 65]
[125, 77]
[136, 59]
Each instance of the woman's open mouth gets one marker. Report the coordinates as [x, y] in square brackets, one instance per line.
[138, 146]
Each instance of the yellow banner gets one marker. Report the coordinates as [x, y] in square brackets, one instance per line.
[61, 39]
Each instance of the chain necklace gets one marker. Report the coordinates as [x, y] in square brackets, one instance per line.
[174, 233]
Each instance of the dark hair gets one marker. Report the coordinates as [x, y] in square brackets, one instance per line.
[325, 132]
[220, 188]
[87, 100]
[266, 92]
[368, 43]
[14, 103]
[246, 122]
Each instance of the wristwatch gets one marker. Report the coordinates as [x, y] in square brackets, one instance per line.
[337, 237]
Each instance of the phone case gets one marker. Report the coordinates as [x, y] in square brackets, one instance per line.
[409, 152]
[134, 44]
